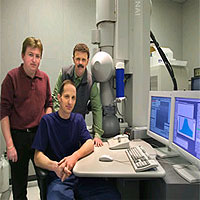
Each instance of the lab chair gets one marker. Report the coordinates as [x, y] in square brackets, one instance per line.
[42, 181]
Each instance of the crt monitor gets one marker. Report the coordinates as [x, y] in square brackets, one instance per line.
[186, 132]
[195, 83]
[159, 121]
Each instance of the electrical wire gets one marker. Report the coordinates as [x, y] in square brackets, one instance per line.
[165, 60]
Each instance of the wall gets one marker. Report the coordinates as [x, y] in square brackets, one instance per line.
[166, 25]
[60, 24]
[191, 34]
[177, 26]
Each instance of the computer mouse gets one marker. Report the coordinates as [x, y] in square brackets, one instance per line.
[105, 158]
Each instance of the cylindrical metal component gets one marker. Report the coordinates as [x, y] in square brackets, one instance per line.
[105, 10]
[96, 36]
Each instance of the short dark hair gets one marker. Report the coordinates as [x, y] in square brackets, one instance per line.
[33, 43]
[65, 82]
[82, 48]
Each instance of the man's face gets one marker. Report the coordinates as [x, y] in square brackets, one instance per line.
[67, 100]
[80, 60]
[31, 60]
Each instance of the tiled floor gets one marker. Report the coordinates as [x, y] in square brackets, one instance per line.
[33, 192]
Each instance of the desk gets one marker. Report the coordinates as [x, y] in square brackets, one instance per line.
[90, 166]
[172, 186]
[154, 185]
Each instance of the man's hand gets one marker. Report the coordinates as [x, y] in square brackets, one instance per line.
[59, 171]
[69, 161]
[67, 164]
[98, 142]
[66, 173]
[12, 154]
[62, 171]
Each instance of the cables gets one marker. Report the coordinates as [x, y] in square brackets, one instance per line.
[165, 60]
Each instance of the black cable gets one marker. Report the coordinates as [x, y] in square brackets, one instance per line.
[165, 60]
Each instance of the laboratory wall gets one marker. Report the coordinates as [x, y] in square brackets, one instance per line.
[191, 34]
[166, 25]
[176, 25]
[60, 24]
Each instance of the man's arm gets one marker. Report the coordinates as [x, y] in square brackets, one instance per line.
[84, 150]
[58, 84]
[11, 151]
[96, 111]
[64, 167]
[68, 162]
[49, 101]
[44, 162]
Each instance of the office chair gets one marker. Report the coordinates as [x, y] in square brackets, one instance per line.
[42, 181]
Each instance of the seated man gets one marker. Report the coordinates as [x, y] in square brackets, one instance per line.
[61, 140]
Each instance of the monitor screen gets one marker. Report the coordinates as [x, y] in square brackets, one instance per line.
[159, 119]
[160, 116]
[187, 124]
[195, 83]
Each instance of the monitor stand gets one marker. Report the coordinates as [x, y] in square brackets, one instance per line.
[189, 172]
[166, 152]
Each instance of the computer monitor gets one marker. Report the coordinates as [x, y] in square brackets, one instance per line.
[186, 132]
[159, 121]
[195, 83]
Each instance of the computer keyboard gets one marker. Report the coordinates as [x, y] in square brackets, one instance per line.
[140, 159]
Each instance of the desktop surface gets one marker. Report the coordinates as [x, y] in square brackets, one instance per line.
[90, 166]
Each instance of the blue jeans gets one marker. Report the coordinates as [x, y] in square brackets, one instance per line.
[82, 188]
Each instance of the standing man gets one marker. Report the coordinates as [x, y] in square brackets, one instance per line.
[86, 88]
[61, 140]
[25, 98]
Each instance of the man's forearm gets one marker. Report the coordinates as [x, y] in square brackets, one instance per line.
[84, 150]
[5, 127]
[96, 111]
[44, 162]
[97, 131]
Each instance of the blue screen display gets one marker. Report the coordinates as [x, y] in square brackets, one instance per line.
[160, 115]
[187, 125]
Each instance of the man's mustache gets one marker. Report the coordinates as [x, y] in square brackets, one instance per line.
[80, 65]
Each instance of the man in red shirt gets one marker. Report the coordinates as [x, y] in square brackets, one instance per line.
[25, 98]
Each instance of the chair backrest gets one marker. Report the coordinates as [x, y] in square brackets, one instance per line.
[42, 181]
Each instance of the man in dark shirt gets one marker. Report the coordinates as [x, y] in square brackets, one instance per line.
[25, 98]
[61, 140]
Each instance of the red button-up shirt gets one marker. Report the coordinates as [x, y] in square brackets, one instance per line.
[23, 99]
